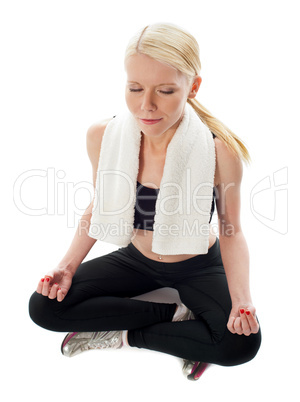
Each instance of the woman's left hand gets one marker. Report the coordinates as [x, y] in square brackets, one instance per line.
[242, 320]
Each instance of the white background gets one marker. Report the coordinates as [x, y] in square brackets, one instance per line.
[61, 71]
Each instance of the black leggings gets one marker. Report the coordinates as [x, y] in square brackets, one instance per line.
[100, 300]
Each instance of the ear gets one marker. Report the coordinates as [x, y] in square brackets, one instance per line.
[195, 85]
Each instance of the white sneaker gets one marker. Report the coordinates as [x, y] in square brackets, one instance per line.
[77, 342]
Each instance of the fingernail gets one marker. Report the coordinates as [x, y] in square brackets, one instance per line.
[47, 279]
[56, 283]
[42, 280]
[59, 289]
[248, 312]
[242, 311]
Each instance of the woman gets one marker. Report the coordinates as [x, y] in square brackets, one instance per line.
[217, 322]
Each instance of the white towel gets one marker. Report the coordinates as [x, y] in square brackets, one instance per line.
[182, 210]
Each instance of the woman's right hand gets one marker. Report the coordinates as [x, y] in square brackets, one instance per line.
[55, 284]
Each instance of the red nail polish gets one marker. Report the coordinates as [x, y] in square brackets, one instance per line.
[56, 283]
[42, 280]
[242, 311]
[248, 312]
[47, 279]
[59, 289]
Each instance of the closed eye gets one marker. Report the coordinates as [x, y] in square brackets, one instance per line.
[163, 92]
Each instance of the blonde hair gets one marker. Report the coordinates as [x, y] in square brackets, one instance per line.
[172, 45]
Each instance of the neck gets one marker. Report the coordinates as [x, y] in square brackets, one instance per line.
[157, 146]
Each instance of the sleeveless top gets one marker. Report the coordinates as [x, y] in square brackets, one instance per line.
[145, 206]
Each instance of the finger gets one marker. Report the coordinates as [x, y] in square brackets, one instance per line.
[230, 324]
[46, 286]
[238, 326]
[253, 324]
[53, 291]
[40, 286]
[244, 323]
[60, 295]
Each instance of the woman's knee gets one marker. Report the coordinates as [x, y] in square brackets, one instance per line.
[240, 349]
[41, 310]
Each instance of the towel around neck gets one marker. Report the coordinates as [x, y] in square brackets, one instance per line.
[182, 210]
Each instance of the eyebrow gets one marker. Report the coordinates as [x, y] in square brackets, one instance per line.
[159, 85]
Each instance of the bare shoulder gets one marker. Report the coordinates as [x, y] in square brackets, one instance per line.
[94, 137]
[228, 166]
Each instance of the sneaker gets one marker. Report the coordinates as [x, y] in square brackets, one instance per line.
[77, 342]
[184, 314]
[194, 370]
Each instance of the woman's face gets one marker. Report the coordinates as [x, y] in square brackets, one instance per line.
[155, 91]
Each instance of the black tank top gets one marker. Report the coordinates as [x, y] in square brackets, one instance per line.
[145, 206]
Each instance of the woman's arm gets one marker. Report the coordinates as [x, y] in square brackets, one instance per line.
[235, 257]
[234, 249]
[57, 282]
[82, 243]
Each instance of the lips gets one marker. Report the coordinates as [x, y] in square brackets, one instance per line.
[150, 121]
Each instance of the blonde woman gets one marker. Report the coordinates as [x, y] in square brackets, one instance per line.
[93, 301]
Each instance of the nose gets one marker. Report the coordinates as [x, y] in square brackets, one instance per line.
[148, 102]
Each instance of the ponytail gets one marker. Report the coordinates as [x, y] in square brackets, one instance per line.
[221, 131]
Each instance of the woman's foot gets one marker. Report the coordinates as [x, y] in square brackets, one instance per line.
[77, 342]
[194, 370]
[182, 313]
[191, 369]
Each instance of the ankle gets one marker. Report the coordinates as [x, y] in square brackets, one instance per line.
[125, 338]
